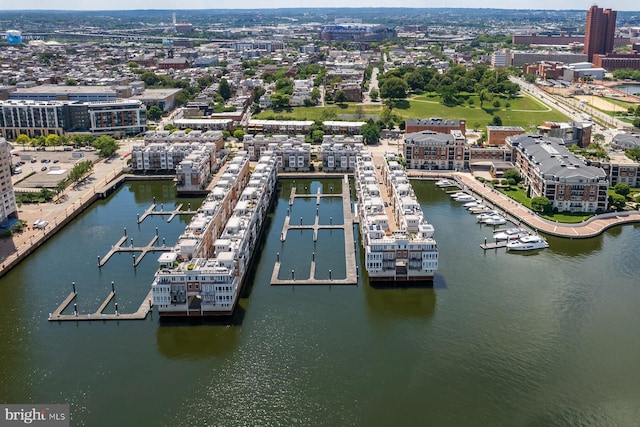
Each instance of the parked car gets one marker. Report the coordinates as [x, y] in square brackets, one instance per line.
[44, 168]
[56, 161]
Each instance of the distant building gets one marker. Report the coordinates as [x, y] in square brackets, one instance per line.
[164, 98]
[435, 124]
[578, 133]
[501, 58]
[626, 141]
[620, 169]
[173, 63]
[599, 32]
[356, 32]
[35, 118]
[616, 61]
[8, 207]
[496, 135]
[552, 171]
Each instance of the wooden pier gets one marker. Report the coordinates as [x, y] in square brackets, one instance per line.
[151, 210]
[349, 246]
[139, 314]
[142, 249]
[494, 245]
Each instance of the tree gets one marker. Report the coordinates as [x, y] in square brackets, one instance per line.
[280, 100]
[71, 82]
[23, 140]
[238, 134]
[636, 123]
[484, 96]
[154, 112]
[340, 97]
[617, 201]
[512, 174]
[224, 89]
[598, 138]
[541, 204]
[622, 189]
[497, 121]
[394, 88]
[633, 153]
[53, 140]
[106, 145]
[637, 113]
[496, 104]
[374, 94]
[317, 135]
[370, 132]
[415, 81]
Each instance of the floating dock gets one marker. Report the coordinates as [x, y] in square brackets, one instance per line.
[349, 246]
[142, 249]
[139, 314]
[151, 210]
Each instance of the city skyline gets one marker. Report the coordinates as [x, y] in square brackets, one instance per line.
[624, 5]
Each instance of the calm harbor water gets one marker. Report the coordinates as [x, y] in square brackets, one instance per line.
[632, 89]
[547, 338]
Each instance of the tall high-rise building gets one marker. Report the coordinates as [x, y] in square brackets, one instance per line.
[8, 207]
[599, 31]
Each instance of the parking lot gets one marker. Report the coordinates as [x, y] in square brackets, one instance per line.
[44, 169]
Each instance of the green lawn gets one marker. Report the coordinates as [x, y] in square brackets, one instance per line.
[524, 111]
[520, 196]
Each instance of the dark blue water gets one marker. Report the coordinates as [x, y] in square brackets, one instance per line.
[547, 338]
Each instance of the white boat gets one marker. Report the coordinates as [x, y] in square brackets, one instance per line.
[472, 204]
[465, 198]
[444, 183]
[478, 209]
[486, 215]
[527, 243]
[494, 220]
[511, 234]
[458, 194]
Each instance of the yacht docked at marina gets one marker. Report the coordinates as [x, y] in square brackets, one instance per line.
[527, 243]
[397, 239]
[200, 285]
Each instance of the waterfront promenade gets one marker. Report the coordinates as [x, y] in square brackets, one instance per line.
[589, 228]
[72, 201]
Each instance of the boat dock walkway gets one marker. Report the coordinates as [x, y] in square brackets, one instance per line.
[151, 210]
[592, 227]
[142, 249]
[139, 314]
[349, 247]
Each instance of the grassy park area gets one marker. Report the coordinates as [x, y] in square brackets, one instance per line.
[522, 111]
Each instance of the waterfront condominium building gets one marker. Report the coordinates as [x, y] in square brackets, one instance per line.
[599, 32]
[8, 207]
[549, 169]
[437, 151]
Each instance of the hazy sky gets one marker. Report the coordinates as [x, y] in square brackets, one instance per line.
[256, 4]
